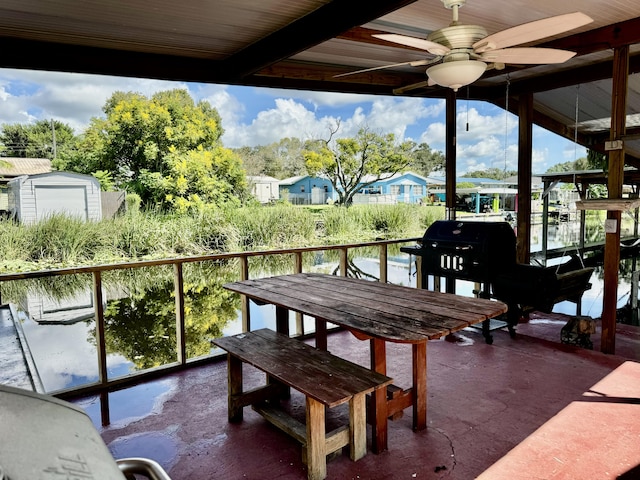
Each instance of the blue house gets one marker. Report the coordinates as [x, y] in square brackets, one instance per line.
[407, 187]
[307, 190]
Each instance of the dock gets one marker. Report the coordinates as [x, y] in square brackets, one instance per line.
[16, 364]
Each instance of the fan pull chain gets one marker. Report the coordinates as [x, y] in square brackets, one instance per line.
[467, 108]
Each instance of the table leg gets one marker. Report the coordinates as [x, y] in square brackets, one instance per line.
[379, 397]
[419, 385]
[282, 320]
[321, 334]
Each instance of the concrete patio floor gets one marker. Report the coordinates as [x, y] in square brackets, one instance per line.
[483, 400]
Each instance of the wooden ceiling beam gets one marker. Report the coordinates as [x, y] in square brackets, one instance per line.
[319, 26]
[552, 81]
[599, 39]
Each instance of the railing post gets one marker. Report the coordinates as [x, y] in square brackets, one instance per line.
[383, 263]
[100, 331]
[343, 262]
[246, 313]
[420, 282]
[181, 341]
[298, 269]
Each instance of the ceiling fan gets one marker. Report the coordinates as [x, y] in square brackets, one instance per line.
[464, 52]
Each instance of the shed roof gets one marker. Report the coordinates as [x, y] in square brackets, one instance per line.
[24, 166]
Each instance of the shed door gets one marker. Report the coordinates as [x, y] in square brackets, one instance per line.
[70, 200]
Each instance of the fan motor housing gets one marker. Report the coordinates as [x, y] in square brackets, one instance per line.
[458, 36]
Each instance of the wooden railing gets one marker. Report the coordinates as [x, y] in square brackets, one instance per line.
[104, 383]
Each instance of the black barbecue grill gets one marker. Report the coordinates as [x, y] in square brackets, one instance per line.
[485, 252]
[475, 251]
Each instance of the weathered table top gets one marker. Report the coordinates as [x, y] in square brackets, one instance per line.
[379, 310]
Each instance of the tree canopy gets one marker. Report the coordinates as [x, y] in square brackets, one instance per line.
[593, 161]
[495, 173]
[425, 161]
[165, 148]
[43, 139]
[280, 159]
[353, 163]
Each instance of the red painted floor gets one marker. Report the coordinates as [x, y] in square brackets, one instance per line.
[483, 401]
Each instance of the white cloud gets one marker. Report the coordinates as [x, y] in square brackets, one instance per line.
[260, 116]
[288, 119]
[318, 99]
[71, 98]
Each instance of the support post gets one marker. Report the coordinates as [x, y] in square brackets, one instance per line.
[525, 147]
[450, 156]
[615, 181]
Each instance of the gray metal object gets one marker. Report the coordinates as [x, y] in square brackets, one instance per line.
[42, 437]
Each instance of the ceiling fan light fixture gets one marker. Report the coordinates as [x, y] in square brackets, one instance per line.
[456, 74]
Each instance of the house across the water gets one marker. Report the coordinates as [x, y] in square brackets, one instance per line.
[11, 168]
[407, 187]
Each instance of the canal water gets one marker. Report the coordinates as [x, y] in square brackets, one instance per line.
[140, 322]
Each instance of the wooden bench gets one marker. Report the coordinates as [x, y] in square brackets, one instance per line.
[323, 378]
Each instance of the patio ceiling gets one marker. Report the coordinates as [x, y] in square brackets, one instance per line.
[302, 44]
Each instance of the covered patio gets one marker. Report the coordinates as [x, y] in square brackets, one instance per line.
[592, 98]
[484, 400]
[568, 413]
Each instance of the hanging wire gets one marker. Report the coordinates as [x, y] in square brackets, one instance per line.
[575, 129]
[506, 122]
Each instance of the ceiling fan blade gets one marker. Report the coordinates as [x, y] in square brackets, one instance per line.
[527, 56]
[413, 86]
[422, 44]
[415, 63]
[528, 32]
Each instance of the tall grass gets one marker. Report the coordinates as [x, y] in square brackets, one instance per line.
[279, 226]
[61, 241]
[367, 222]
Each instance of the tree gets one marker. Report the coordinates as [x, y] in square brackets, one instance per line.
[597, 161]
[280, 159]
[166, 149]
[579, 164]
[495, 173]
[354, 163]
[44, 139]
[426, 160]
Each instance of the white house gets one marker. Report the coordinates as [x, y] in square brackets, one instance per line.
[264, 188]
[12, 167]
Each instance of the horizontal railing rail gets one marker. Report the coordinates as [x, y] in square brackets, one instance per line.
[104, 383]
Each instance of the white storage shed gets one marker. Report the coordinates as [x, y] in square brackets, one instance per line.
[36, 197]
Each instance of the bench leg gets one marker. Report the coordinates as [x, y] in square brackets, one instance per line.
[316, 441]
[358, 426]
[234, 387]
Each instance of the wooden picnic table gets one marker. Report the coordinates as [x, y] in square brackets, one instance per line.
[379, 312]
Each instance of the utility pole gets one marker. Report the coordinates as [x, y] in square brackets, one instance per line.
[53, 134]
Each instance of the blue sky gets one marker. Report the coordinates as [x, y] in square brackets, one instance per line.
[259, 116]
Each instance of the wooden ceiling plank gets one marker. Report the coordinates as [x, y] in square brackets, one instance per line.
[319, 26]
